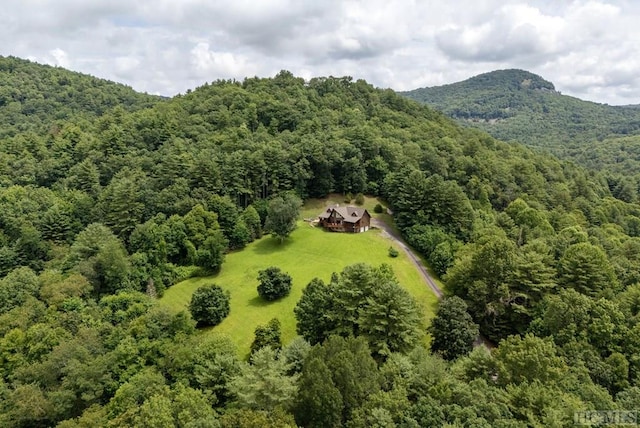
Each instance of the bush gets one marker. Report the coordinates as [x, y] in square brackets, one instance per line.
[359, 199]
[274, 283]
[348, 197]
[209, 305]
[393, 252]
[378, 209]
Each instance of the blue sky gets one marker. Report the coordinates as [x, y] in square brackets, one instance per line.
[588, 49]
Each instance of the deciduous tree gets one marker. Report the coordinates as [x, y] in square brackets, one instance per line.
[210, 305]
[274, 283]
[282, 215]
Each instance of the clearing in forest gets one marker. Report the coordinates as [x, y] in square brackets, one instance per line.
[308, 253]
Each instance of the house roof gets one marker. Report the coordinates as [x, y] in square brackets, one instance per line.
[349, 213]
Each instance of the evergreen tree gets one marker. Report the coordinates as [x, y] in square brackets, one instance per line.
[452, 329]
[319, 403]
[264, 384]
[586, 268]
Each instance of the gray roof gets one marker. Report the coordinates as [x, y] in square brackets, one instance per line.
[349, 213]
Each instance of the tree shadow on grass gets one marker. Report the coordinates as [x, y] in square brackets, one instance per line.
[258, 302]
[268, 245]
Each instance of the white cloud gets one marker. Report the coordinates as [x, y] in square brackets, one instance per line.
[587, 48]
[214, 64]
[514, 31]
[59, 58]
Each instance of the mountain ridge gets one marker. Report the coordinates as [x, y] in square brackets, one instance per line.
[517, 105]
[32, 95]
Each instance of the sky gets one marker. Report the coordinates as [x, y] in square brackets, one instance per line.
[588, 49]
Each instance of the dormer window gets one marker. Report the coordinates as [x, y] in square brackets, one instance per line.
[354, 215]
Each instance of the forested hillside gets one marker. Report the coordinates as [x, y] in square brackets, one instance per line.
[101, 212]
[33, 96]
[515, 105]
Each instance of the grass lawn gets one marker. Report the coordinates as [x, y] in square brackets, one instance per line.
[313, 207]
[309, 252]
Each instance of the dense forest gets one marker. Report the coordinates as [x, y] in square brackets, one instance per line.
[105, 206]
[518, 106]
[33, 101]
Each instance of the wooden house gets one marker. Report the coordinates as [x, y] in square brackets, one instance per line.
[345, 219]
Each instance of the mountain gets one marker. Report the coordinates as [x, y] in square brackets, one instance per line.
[32, 95]
[515, 105]
[102, 212]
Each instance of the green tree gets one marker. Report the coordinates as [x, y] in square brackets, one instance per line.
[267, 335]
[452, 329]
[529, 359]
[252, 221]
[312, 312]
[482, 276]
[56, 224]
[295, 354]
[16, 287]
[391, 320]
[181, 407]
[210, 305]
[248, 418]
[227, 213]
[318, 403]
[282, 215]
[215, 363]
[100, 257]
[264, 384]
[240, 235]
[362, 300]
[210, 254]
[121, 204]
[199, 224]
[28, 406]
[274, 283]
[337, 378]
[85, 176]
[586, 268]
[56, 288]
[149, 238]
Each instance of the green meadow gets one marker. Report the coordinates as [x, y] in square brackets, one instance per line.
[308, 253]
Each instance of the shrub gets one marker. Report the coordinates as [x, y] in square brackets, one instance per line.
[209, 305]
[274, 283]
[348, 197]
[359, 199]
[393, 252]
[378, 209]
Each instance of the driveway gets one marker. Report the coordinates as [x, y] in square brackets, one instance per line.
[389, 233]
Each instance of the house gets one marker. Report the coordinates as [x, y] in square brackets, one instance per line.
[345, 219]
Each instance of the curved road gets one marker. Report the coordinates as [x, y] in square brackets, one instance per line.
[387, 231]
[391, 234]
